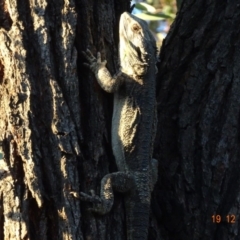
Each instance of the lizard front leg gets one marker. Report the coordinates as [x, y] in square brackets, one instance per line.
[108, 83]
[118, 181]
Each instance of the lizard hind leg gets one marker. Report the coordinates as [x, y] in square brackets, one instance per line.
[118, 181]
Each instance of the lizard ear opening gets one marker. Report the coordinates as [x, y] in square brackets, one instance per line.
[140, 69]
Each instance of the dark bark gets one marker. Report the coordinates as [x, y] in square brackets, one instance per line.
[55, 121]
[39, 122]
[197, 142]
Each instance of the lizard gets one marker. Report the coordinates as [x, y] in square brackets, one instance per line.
[133, 124]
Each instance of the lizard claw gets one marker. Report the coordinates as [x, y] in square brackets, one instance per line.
[99, 61]
[99, 57]
[88, 55]
[93, 63]
[98, 205]
[92, 192]
[88, 198]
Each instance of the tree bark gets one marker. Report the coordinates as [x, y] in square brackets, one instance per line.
[197, 143]
[55, 121]
[40, 121]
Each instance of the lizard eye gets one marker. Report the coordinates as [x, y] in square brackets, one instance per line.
[135, 27]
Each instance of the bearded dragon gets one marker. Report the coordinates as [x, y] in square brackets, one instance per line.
[133, 124]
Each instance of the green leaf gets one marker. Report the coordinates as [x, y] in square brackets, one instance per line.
[167, 9]
[154, 17]
[145, 7]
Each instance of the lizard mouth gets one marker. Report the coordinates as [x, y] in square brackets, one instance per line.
[137, 52]
[132, 49]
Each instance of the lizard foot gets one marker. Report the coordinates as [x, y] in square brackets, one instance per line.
[100, 206]
[119, 181]
[94, 63]
[90, 198]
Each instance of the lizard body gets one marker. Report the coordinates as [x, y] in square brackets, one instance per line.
[133, 124]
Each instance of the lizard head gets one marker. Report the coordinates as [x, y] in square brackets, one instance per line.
[137, 46]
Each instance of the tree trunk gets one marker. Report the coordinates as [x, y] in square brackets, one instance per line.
[197, 143]
[55, 120]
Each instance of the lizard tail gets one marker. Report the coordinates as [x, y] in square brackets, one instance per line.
[137, 216]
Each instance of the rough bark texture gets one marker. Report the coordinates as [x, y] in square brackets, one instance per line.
[39, 122]
[55, 121]
[198, 129]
